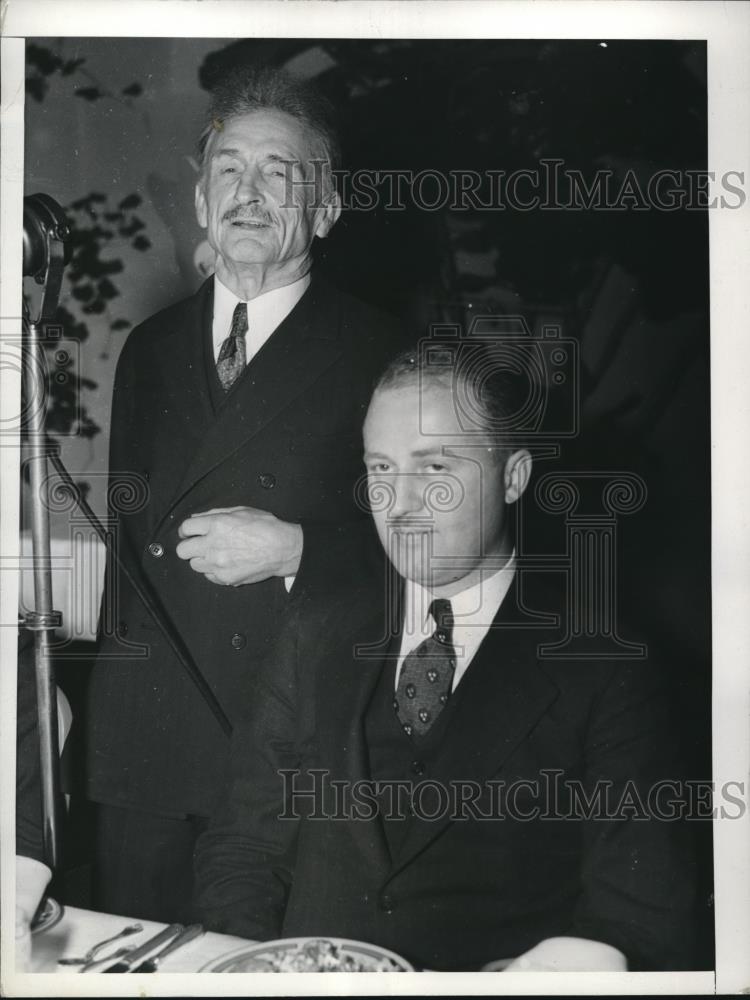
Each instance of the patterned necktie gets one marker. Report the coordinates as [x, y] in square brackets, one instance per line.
[233, 354]
[426, 677]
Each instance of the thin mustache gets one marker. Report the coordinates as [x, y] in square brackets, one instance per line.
[237, 213]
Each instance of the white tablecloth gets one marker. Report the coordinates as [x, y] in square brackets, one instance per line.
[79, 930]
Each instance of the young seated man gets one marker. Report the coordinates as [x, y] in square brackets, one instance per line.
[414, 772]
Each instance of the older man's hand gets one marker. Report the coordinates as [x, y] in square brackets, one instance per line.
[237, 545]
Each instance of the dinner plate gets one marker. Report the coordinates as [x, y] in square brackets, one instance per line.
[309, 954]
[48, 914]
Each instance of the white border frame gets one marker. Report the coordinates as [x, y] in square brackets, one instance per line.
[726, 27]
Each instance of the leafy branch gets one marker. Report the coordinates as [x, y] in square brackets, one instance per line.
[98, 226]
[44, 63]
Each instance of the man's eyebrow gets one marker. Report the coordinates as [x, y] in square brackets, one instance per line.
[438, 450]
[274, 157]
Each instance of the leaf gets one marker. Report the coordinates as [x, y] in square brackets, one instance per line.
[37, 87]
[88, 93]
[83, 293]
[111, 267]
[132, 227]
[88, 428]
[141, 243]
[133, 90]
[131, 201]
[44, 60]
[97, 306]
[71, 66]
[106, 289]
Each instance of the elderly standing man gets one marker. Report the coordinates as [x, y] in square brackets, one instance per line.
[239, 410]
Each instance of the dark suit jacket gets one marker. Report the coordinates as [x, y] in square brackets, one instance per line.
[29, 824]
[287, 440]
[458, 892]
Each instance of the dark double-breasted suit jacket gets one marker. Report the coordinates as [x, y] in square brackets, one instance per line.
[286, 439]
[449, 889]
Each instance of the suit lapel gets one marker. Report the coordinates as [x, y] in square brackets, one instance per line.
[348, 689]
[347, 686]
[185, 412]
[498, 702]
[298, 352]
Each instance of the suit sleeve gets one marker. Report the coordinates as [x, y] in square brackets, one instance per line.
[123, 397]
[28, 779]
[639, 869]
[121, 431]
[244, 861]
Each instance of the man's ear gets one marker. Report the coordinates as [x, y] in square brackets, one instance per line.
[328, 215]
[517, 474]
[201, 211]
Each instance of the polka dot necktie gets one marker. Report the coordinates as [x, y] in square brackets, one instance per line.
[233, 354]
[426, 678]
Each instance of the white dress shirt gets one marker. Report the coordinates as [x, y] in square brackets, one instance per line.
[474, 610]
[265, 313]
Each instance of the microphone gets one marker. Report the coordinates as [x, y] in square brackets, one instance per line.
[43, 222]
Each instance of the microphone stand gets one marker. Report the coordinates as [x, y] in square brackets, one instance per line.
[44, 250]
[43, 620]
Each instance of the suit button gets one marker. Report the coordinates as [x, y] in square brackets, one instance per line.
[386, 903]
[239, 641]
[122, 628]
[418, 767]
[267, 480]
[156, 549]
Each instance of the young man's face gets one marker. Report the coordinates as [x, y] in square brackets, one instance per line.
[253, 213]
[439, 495]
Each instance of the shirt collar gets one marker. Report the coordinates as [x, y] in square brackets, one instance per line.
[264, 313]
[479, 602]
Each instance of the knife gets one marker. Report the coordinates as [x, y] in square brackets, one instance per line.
[152, 964]
[144, 949]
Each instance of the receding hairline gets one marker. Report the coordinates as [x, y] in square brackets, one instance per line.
[315, 141]
[406, 372]
[252, 87]
[453, 441]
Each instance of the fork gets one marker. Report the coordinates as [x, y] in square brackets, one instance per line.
[92, 952]
[112, 957]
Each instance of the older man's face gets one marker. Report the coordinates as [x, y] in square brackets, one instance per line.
[439, 496]
[254, 214]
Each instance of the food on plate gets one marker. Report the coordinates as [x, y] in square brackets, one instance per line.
[315, 955]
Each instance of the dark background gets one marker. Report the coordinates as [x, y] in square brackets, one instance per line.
[111, 124]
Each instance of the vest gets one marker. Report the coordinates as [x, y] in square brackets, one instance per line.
[395, 756]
